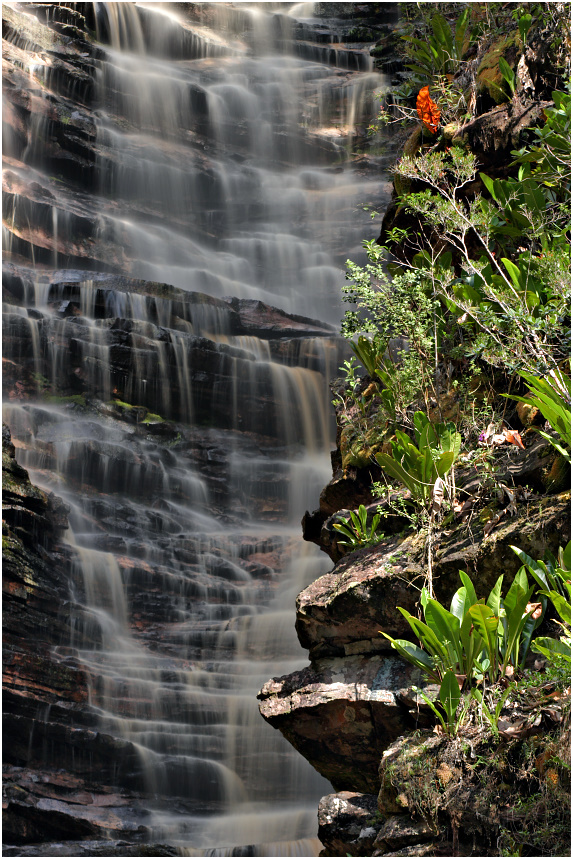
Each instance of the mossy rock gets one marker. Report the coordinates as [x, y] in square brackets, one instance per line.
[489, 79]
[414, 142]
[134, 413]
[527, 412]
[354, 449]
[450, 131]
[359, 449]
[73, 399]
[152, 418]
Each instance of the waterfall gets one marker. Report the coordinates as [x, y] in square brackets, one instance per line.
[222, 173]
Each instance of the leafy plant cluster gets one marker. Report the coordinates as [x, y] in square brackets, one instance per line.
[484, 278]
[484, 640]
[497, 289]
[419, 466]
[479, 277]
[443, 43]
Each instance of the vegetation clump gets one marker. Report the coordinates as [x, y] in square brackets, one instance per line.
[462, 310]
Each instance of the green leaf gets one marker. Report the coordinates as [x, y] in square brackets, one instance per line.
[514, 273]
[460, 31]
[516, 620]
[419, 70]
[552, 647]
[536, 568]
[415, 655]
[450, 696]
[485, 622]
[489, 184]
[460, 604]
[427, 637]
[398, 472]
[516, 590]
[562, 606]
[444, 462]
[420, 421]
[447, 627]
[508, 73]
[494, 598]
[470, 590]
[524, 24]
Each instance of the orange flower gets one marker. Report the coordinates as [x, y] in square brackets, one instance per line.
[428, 110]
[513, 437]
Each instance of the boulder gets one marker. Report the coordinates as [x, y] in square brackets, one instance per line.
[345, 823]
[53, 804]
[342, 713]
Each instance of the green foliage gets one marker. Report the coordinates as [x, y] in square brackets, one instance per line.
[524, 23]
[553, 577]
[399, 315]
[357, 531]
[476, 637]
[555, 649]
[551, 573]
[449, 700]
[508, 74]
[550, 154]
[379, 368]
[418, 466]
[440, 52]
[552, 396]
[491, 716]
[367, 352]
[523, 204]
[513, 286]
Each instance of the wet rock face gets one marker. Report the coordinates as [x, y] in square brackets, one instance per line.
[53, 805]
[152, 354]
[35, 582]
[44, 694]
[48, 721]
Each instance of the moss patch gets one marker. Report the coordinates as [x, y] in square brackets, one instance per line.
[74, 399]
[512, 795]
[489, 79]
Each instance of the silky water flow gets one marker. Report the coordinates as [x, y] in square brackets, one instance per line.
[224, 167]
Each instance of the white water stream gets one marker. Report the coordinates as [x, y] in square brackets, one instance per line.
[225, 166]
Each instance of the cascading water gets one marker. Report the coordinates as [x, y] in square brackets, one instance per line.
[224, 167]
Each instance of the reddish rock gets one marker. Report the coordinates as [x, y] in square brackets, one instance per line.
[342, 713]
[48, 804]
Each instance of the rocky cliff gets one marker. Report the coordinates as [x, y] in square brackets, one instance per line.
[355, 700]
